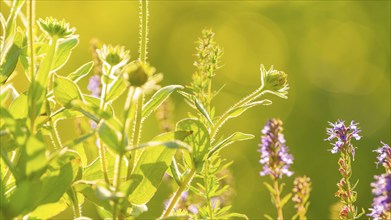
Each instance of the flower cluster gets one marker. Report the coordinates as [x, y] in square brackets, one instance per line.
[52, 27]
[301, 193]
[384, 157]
[381, 206]
[114, 56]
[343, 135]
[274, 153]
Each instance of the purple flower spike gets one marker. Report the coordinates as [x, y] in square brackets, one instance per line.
[384, 156]
[94, 85]
[343, 135]
[274, 153]
[381, 206]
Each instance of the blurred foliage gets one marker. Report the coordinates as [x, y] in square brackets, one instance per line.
[336, 55]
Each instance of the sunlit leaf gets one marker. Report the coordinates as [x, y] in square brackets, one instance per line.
[149, 170]
[63, 52]
[199, 139]
[65, 90]
[158, 98]
[81, 72]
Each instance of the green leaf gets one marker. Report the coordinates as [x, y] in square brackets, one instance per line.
[199, 139]
[32, 158]
[149, 170]
[233, 113]
[63, 52]
[285, 199]
[65, 90]
[94, 170]
[10, 30]
[237, 136]
[49, 189]
[50, 210]
[202, 110]
[270, 188]
[18, 107]
[158, 98]
[116, 88]
[111, 137]
[81, 72]
[98, 193]
[11, 59]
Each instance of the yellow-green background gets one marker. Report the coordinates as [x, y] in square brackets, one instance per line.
[336, 53]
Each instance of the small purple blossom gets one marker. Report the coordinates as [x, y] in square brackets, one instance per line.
[274, 153]
[94, 85]
[343, 135]
[384, 156]
[381, 205]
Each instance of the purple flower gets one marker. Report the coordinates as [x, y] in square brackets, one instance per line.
[343, 135]
[384, 156]
[274, 153]
[381, 205]
[94, 85]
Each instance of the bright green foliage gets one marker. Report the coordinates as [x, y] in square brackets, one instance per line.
[105, 163]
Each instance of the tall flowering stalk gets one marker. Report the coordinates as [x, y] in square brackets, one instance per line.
[343, 136]
[275, 160]
[301, 193]
[381, 187]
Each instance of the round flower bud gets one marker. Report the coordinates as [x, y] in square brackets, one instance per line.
[138, 73]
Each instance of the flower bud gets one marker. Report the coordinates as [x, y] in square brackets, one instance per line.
[274, 80]
[138, 73]
[52, 27]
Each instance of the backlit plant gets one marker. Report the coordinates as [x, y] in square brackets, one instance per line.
[107, 164]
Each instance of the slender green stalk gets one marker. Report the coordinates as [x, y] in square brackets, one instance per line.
[75, 202]
[37, 96]
[178, 193]
[138, 123]
[53, 131]
[10, 164]
[128, 108]
[102, 151]
[31, 19]
[277, 199]
[144, 13]
[352, 212]
[256, 94]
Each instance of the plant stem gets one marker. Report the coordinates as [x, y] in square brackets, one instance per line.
[143, 30]
[128, 108]
[178, 193]
[102, 152]
[37, 95]
[277, 199]
[347, 159]
[138, 123]
[254, 95]
[10, 165]
[53, 131]
[31, 19]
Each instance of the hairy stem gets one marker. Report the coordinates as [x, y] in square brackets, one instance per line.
[31, 19]
[143, 30]
[350, 200]
[178, 193]
[277, 199]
